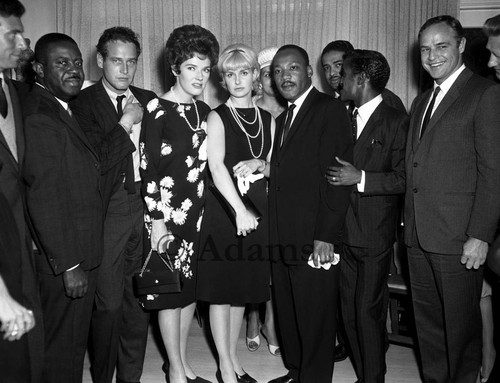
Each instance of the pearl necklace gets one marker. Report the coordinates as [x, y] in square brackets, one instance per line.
[183, 112]
[237, 117]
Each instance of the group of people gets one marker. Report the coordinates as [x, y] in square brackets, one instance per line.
[292, 188]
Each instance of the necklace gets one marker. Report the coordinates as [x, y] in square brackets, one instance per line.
[183, 112]
[237, 117]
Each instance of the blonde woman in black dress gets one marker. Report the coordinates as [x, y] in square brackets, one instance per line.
[234, 266]
[173, 163]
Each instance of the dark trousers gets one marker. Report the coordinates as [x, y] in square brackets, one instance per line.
[306, 305]
[119, 325]
[66, 323]
[364, 296]
[447, 315]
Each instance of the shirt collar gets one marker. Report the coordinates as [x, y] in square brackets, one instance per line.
[113, 95]
[446, 84]
[299, 101]
[366, 110]
[64, 104]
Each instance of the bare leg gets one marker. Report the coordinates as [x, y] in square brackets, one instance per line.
[253, 322]
[169, 322]
[220, 326]
[236, 319]
[187, 314]
[489, 353]
[268, 328]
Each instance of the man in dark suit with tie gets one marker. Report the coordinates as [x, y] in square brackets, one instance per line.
[378, 174]
[110, 114]
[22, 271]
[452, 206]
[306, 218]
[62, 172]
[332, 59]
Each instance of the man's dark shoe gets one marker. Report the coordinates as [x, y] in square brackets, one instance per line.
[283, 379]
[340, 352]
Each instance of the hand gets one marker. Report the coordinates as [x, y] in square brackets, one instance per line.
[474, 253]
[75, 282]
[158, 230]
[323, 252]
[245, 168]
[345, 175]
[245, 223]
[132, 114]
[16, 320]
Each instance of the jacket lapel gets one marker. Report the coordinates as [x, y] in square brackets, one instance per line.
[367, 132]
[297, 122]
[104, 103]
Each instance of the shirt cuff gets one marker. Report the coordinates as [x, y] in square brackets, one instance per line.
[72, 268]
[361, 185]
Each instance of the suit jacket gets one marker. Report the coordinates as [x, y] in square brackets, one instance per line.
[391, 99]
[373, 215]
[303, 206]
[98, 119]
[453, 172]
[62, 172]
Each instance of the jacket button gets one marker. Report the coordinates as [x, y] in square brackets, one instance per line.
[415, 190]
[415, 164]
[277, 164]
[278, 188]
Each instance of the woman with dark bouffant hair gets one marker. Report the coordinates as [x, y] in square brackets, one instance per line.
[173, 165]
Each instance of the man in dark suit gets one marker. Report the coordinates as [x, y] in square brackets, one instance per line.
[306, 218]
[12, 44]
[378, 174]
[451, 206]
[62, 172]
[332, 59]
[110, 114]
[492, 30]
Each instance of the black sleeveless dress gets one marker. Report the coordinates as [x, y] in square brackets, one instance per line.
[234, 269]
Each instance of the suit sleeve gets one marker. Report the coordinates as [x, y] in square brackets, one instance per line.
[335, 141]
[48, 196]
[113, 146]
[391, 181]
[486, 208]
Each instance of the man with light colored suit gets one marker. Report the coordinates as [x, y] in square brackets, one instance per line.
[378, 174]
[110, 114]
[452, 206]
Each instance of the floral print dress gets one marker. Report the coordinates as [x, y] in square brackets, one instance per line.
[173, 164]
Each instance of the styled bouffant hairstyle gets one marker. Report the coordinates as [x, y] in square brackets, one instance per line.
[11, 8]
[44, 42]
[492, 26]
[339, 46]
[237, 56]
[122, 34]
[372, 63]
[187, 41]
[448, 20]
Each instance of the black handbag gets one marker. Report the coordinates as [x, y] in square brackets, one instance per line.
[249, 205]
[157, 275]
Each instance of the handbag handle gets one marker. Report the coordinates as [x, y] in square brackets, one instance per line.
[169, 237]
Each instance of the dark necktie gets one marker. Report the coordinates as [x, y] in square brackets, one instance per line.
[288, 122]
[354, 124]
[428, 113]
[119, 106]
[129, 169]
[4, 107]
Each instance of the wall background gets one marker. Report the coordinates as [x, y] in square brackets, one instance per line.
[389, 26]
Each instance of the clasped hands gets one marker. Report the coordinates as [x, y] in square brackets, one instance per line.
[16, 320]
[344, 175]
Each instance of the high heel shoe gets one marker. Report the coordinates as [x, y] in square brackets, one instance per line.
[253, 344]
[274, 350]
[245, 378]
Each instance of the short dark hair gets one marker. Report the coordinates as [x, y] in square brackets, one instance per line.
[372, 63]
[339, 46]
[119, 33]
[184, 42]
[294, 47]
[491, 26]
[11, 8]
[452, 22]
[43, 43]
